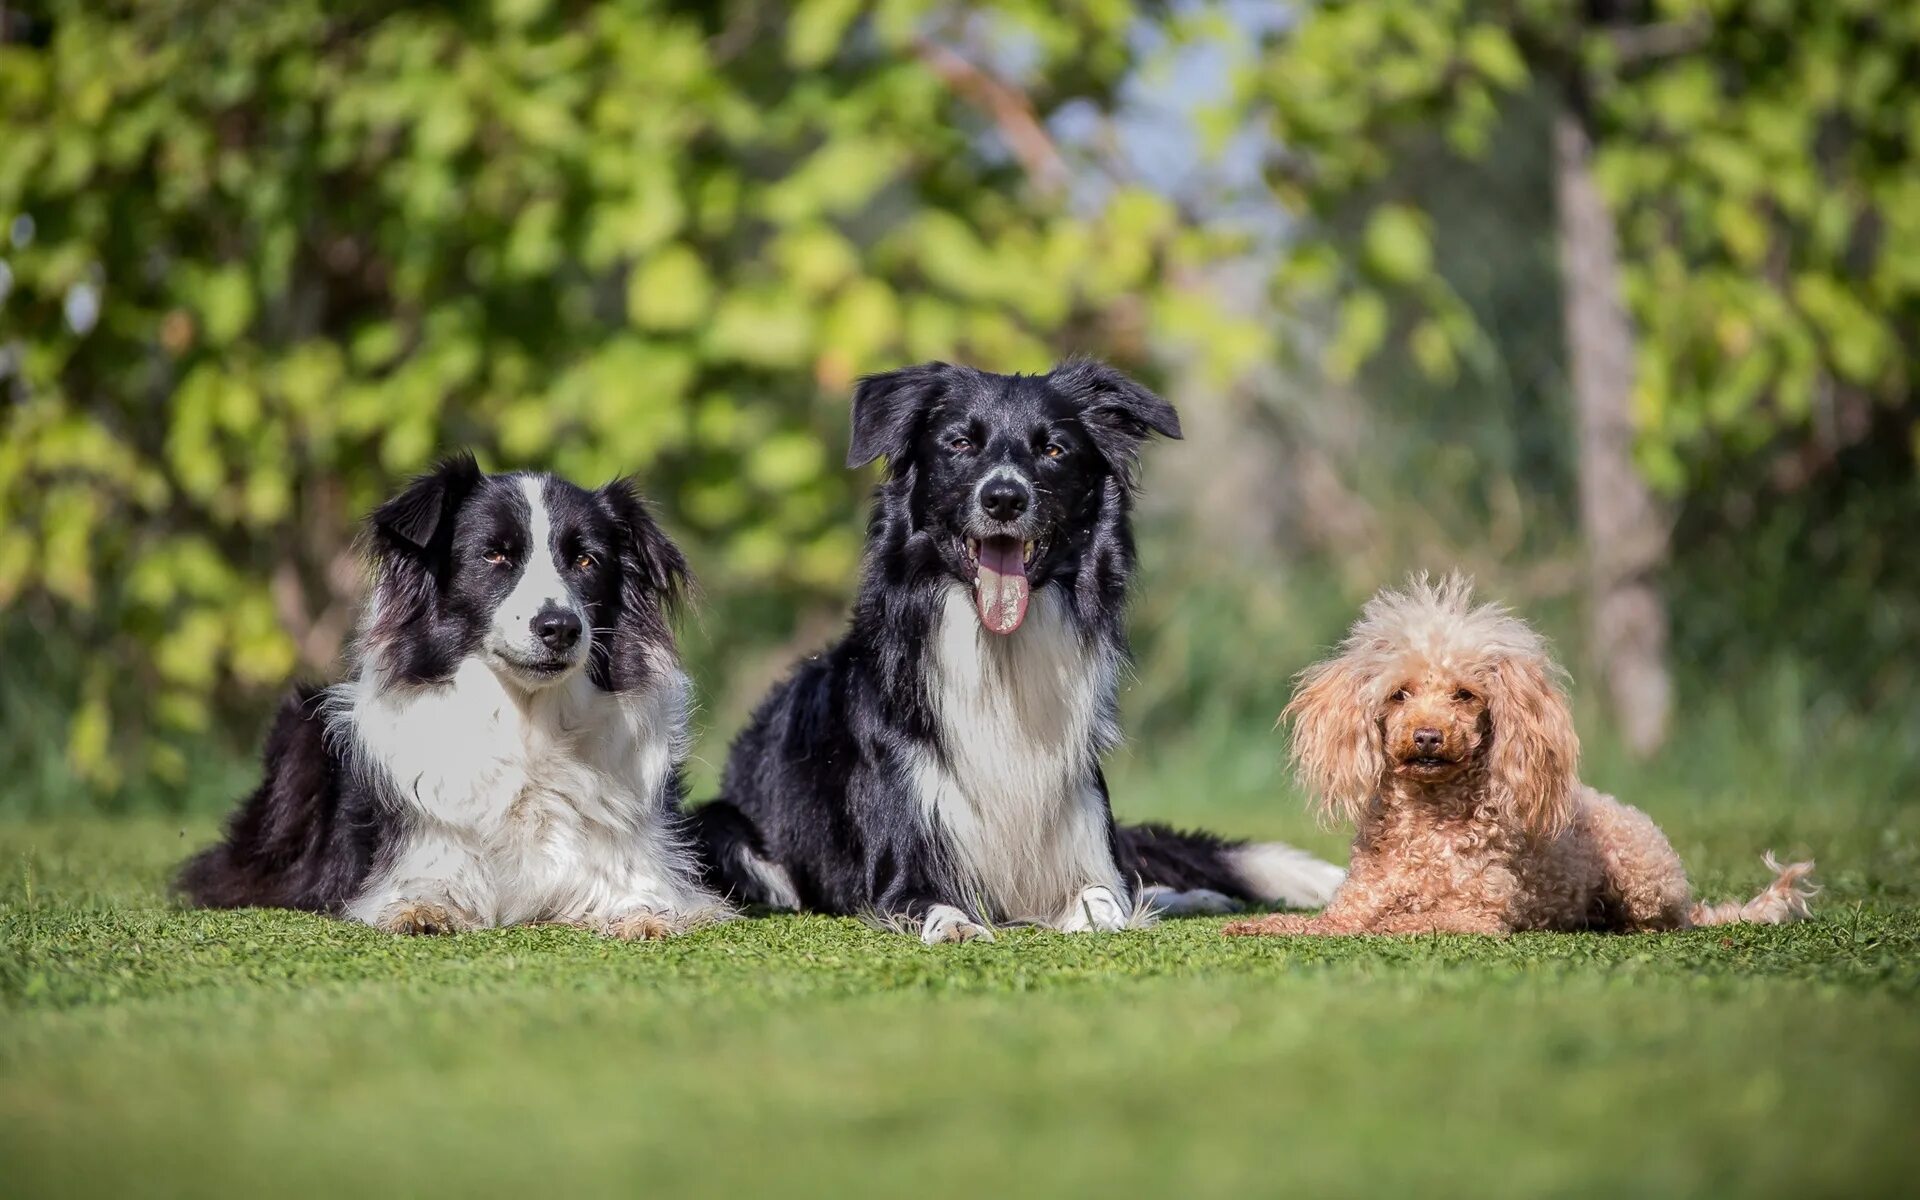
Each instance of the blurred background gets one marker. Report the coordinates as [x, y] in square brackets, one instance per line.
[1612, 303]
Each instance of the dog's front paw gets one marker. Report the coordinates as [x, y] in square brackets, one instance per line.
[644, 925]
[423, 918]
[1098, 910]
[945, 923]
[1276, 925]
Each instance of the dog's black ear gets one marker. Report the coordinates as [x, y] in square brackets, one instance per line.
[887, 410]
[660, 569]
[1112, 401]
[424, 508]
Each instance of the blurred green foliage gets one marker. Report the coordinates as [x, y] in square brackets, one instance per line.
[265, 259]
[1759, 155]
[261, 261]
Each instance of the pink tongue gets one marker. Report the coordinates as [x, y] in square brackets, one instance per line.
[1000, 589]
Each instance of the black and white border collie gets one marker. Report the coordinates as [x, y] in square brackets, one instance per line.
[940, 766]
[508, 749]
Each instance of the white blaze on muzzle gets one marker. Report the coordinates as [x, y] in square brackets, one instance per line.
[538, 589]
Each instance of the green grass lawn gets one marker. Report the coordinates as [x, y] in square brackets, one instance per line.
[152, 1051]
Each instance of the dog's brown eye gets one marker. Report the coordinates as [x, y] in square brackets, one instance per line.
[1463, 696]
[960, 445]
[586, 562]
[1399, 696]
[1054, 450]
[496, 556]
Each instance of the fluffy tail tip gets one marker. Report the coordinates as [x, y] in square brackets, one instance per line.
[1281, 874]
[1784, 901]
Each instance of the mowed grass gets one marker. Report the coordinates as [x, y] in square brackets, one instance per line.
[148, 1050]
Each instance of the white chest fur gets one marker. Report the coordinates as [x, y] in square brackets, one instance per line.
[522, 806]
[1023, 718]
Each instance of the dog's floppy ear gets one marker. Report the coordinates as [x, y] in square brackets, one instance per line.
[1536, 753]
[887, 409]
[653, 584]
[1338, 752]
[660, 569]
[410, 540]
[1118, 413]
[423, 509]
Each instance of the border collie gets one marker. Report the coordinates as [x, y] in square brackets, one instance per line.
[940, 766]
[509, 747]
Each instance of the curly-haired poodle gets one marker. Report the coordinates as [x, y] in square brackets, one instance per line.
[1441, 730]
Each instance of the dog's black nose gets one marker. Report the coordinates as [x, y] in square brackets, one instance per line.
[557, 629]
[1004, 499]
[1427, 741]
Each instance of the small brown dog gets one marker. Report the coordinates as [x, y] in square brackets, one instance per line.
[1441, 730]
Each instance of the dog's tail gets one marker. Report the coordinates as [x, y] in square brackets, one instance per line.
[1200, 872]
[1783, 902]
[733, 860]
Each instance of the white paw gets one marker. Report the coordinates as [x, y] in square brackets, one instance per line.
[1166, 902]
[1097, 909]
[424, 918]
[945, 923]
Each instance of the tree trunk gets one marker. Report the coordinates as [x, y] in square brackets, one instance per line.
[1625, 529]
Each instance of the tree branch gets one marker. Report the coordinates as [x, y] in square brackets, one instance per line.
[1007, 107]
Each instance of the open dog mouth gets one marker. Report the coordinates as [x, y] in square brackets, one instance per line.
[1000, 585]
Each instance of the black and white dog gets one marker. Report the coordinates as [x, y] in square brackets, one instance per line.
[941, 764]
[509, 747]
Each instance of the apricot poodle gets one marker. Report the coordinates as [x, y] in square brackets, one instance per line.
[1440, 729]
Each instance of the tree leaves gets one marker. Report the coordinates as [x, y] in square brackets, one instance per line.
[815, 30]
[315, 248]
[669, 291]
[323, 245]
[1396, 244]
[1758, 157]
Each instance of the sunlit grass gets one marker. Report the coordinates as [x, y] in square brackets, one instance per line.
[151, 1050]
